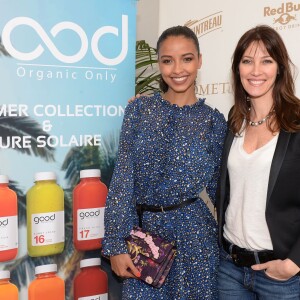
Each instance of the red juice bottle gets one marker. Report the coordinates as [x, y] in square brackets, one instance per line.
[8, 221]
[91, 283]
[89, 197]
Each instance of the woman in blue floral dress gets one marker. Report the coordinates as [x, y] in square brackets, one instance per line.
[170, 150]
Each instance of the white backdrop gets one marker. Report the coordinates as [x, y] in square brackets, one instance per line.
[219, 24]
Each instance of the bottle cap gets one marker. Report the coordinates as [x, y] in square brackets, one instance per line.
[90, 262]
[44, 176]
[46, 269]
[3, 179]
[90, 173]
[4, 274]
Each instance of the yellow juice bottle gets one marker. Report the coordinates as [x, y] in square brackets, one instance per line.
[45, 216]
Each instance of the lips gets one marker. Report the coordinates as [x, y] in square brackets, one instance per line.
[256, 82]
[179, 79]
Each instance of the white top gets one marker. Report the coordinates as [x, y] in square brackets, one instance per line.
[3, 179]
[90, 262]
[90, 173]
[44, 176]
[4, 274]
[245, 221]
[52, 268]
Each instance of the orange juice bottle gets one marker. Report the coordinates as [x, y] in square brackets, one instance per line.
[8, 291]
[45, 216]
[8, 221]
[47, 285]
[89, 198]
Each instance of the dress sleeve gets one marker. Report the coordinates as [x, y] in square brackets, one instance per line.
[217, 137]
[120, 210]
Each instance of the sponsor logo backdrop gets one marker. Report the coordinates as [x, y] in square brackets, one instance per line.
[219, 25]
[67, 69]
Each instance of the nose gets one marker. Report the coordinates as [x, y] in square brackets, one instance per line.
[177, 67]
[255, 69]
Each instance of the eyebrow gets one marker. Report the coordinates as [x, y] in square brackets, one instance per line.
[185, 54]
[248, 56]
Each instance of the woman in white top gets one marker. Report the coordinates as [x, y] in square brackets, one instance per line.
[259, 192]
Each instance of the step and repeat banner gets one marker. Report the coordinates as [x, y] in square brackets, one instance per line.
[219, 25]
[67, 69]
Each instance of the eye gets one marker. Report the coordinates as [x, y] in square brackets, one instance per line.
[188, 59]
[166, 61]
[267, 61]
[246, 61]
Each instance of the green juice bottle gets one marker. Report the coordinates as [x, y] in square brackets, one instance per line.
[45, 216]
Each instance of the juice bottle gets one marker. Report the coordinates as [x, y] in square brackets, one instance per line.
[45, 216]
[8, 221]
[8, 291]
[91, 283]
[47, 285]
[89, 198]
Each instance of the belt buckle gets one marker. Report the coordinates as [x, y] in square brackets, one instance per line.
[235, 258]
[243, 259]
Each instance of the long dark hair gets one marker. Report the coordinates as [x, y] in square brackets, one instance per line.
[175, 31]
[286, 104]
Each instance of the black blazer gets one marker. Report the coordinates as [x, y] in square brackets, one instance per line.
[283, 196]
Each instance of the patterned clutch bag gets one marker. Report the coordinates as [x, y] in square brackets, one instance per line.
[152, 255]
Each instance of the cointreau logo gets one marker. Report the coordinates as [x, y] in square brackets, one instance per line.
[206, 25]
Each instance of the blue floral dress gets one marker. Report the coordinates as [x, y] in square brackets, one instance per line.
[168, 154]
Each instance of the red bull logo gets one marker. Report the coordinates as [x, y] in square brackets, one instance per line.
[285, 11]
[284, 19]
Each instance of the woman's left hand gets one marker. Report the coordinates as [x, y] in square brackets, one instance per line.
[278, 269]
[134, 97]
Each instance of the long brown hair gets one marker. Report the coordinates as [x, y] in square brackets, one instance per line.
[286, 104]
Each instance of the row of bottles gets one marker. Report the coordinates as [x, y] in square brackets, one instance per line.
[45, 215]
[90, 283]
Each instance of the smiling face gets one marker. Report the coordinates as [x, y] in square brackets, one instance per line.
[179, 62]
[258, 71]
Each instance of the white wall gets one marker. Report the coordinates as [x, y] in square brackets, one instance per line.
[219, 25]
[147, 21]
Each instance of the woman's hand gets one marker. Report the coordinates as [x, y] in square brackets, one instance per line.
[123, 266]
[278, 269]
[134, 97]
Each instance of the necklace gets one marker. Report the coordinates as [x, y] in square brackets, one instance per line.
[252, 123]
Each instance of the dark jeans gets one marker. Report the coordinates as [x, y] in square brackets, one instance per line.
[242, 283]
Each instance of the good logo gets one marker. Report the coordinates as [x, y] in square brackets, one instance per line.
[89, 214]
[4, 223]
[62, 26]
[44, 219]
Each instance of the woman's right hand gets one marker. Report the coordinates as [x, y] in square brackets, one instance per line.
[123, 266]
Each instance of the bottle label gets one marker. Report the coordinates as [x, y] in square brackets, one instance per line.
[95, 297]
[48, 228]
[8, 233]
[90, 223]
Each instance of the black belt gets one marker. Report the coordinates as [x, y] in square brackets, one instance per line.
[140, 208]
[246, 258]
